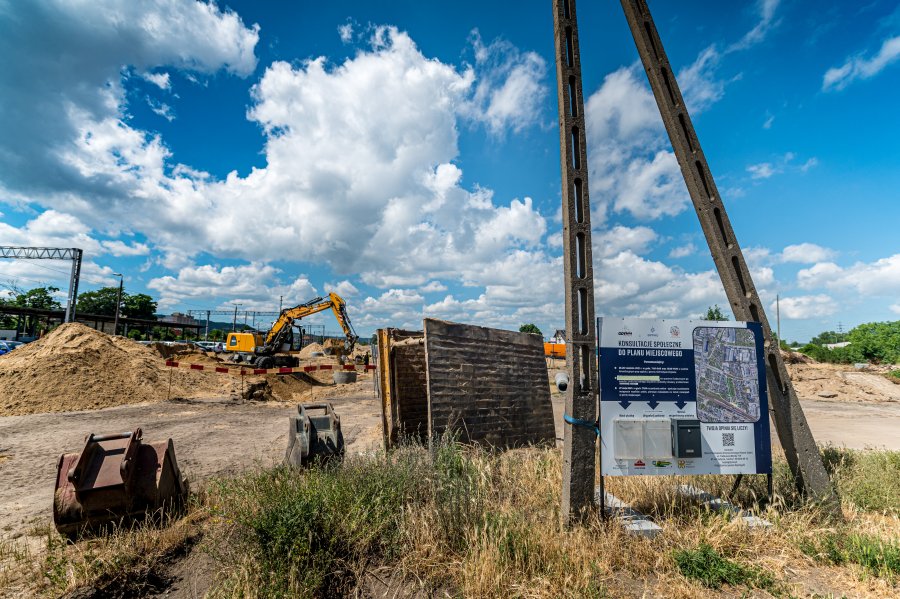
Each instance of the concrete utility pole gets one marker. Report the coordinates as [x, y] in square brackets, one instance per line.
[206, 334]
[778, 316]
[793, 431]
[579, 448]
[234, 322]
[118, 302]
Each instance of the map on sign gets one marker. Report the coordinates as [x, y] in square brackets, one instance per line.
[727, 374]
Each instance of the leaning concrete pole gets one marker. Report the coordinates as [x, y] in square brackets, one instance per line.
[579, 448]
[790, 423]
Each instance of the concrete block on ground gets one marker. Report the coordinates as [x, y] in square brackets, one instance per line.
[631, 520]
[717, 504]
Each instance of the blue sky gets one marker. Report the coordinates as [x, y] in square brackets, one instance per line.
[406, 155]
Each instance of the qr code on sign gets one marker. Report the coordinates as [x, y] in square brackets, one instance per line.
[728, 439]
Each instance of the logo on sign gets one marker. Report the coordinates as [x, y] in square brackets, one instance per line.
[639, 464]
[675, 332]
[681, 463]
[625, 332]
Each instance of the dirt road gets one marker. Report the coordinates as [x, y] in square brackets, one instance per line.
[212, 437]
[223, 436]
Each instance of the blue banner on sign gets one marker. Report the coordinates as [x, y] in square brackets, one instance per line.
[647, 375]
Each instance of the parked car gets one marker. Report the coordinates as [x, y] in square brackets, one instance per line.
[8, 346]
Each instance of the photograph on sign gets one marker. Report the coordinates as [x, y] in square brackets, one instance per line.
[682, 397]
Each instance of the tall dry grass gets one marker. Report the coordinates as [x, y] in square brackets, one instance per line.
[468, 522]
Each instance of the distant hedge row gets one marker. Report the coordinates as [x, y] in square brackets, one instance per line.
[876, 342]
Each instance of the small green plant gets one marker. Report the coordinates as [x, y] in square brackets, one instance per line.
[877, 556]
[712, 570]
[894, 374]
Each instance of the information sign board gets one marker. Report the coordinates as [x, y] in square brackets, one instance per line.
[682, 397]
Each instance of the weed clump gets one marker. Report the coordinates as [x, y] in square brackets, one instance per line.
[307, 534]
[876, 555]
[870, 480]
[712, 570]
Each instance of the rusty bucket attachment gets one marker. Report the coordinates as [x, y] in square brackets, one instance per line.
[314, 433]
[116, 478]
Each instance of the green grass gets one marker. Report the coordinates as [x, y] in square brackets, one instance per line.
[313, 533]
[894, 374]
[712, 570]
[876, 555]
[870, 480]
[307, 532]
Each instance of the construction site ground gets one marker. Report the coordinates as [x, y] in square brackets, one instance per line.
[224, 435]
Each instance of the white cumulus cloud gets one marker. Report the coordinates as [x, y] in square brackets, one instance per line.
[806, 306]
[806, 253]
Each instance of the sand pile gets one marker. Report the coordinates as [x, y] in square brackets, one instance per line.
[196, 357]
[282, 387]
[841, 383]
[78, 368]
[167, 351]
[307, 351]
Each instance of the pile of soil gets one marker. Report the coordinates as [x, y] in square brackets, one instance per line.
[279, 387]
[167, 351]
[841, 382]
[196, 357]
[77, 368]
[307, 351]
[793, 357]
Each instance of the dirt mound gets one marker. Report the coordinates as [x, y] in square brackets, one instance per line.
[167, 351]
[279, 387]
[793, 357]
[840, 383]
[307, 351]
[78, 368]
[195, 357]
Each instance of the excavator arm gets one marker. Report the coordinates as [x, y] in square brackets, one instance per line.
[282, 327]
[339, 307]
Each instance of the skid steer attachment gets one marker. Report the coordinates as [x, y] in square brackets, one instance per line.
[116, 478]
[314, 433]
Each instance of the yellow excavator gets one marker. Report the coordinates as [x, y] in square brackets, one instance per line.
[271, 350]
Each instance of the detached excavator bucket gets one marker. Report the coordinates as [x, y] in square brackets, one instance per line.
[116, 478]
[314, 433]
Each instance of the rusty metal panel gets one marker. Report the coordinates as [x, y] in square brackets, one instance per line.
[383, 385]
[487, 385]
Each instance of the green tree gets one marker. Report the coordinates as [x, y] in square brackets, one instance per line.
[827, 337]
[39, 297]
[163, 334]
[216, 335]
[100, 301]
[135, 334]
[530, 328]
[139, 305]
[876, 342]
[714, 313]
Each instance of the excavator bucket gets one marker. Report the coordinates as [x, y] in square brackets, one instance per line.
[116, 478]
[314, 433]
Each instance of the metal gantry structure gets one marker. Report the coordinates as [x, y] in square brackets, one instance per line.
[796, 439]
[45, 253]
[581, 394]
